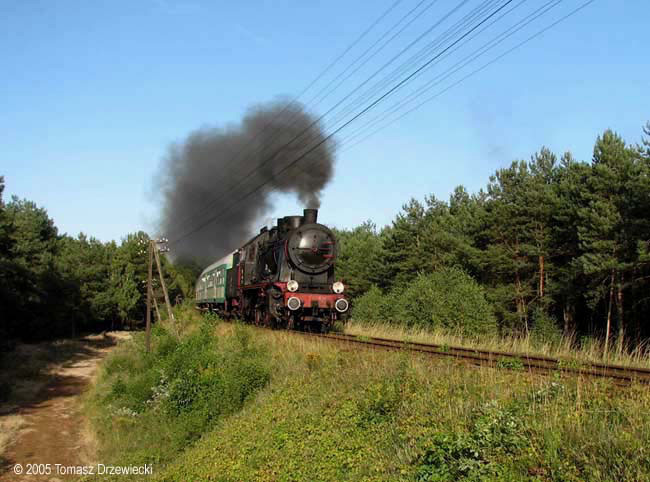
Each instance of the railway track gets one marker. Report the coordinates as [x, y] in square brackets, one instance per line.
[516, 361]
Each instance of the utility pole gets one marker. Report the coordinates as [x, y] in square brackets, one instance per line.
[149, 292]
[155, 306]
[160, 273]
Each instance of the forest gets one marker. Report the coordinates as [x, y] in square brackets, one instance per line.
[54, 285]
[551, 245]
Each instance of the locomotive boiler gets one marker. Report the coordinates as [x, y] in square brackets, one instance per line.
[283, 277]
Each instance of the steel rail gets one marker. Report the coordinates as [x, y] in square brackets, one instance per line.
[495, 358]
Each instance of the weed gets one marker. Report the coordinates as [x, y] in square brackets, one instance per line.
[313, 360]
[587, 350]
[570, 364]
[510, 363]
[474, 455]
[330, 412]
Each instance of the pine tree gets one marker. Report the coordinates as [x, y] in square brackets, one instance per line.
[358, 261]
[401, 244]
[604, 230]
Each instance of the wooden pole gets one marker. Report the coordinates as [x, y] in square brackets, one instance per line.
[149, 290]
[155, 306]
[609, 313]
[162, 282]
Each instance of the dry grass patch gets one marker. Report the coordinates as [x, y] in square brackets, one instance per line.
[589, 350]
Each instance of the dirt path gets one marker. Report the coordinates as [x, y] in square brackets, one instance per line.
[50, 429]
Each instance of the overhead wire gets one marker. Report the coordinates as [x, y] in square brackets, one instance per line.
[324, 92]
[378, 20]
[317, 121]
[354, 118]
[484, 66]
[464, 61]
[476, 71]
[424, 52]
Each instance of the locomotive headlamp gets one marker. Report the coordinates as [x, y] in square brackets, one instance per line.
[293, 303]
[292, 285]
[338, 287]
[341, 305]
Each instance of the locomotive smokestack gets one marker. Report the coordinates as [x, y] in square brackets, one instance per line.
[310, 216]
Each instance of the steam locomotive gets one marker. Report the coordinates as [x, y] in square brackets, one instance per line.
[283, 277]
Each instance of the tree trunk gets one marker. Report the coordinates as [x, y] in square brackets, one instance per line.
[567, 314]
[541, 276]
[619, 306]
[521, 304]
[609, 312]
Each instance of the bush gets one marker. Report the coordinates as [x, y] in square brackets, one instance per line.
[372, 307]
[545, 327]
[449, 299]
[168, 398]
[474, 455]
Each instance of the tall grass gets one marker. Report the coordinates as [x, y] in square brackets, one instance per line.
[585, 349]
[336, 413]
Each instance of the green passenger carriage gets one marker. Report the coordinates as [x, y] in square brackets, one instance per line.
[211, 285]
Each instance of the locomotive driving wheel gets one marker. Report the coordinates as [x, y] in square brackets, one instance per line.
[262, 317]
[258, 316]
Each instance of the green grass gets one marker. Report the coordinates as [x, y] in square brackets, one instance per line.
[332, 412]
[148, 407]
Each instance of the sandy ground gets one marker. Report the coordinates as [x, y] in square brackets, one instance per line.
[49, 428]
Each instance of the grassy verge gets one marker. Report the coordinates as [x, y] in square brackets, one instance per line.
[588, 350]
[333, 413]
[149, 407]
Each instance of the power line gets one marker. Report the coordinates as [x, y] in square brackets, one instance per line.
[312, 83]
[318, 120]
[216, 200]
[415, 58]
[361, 113]
[476, 71]
[483, 67]
[536, 15]
[369, 49]
[463, 62]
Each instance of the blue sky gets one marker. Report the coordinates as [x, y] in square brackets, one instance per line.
[95, 92]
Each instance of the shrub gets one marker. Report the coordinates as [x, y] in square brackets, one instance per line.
[545, 327]
[372, 307]
[449, 299]
[181, 389]
[474, 455]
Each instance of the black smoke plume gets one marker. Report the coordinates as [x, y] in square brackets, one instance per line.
[206, 180]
